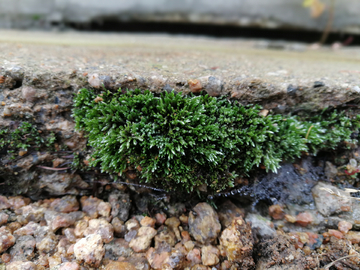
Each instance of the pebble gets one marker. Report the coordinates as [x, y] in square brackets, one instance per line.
[4, 203]
[143, 239]
[120, 204]
[160, 218]
[236, 242]
[3, 218]
[21, 266]
[209, 255]
[204, 223]
[304, 219]
[23, 250]
[89, 205]
[117, 248]
[100, 227]
[261, 225]
[328, 204]
[353, 237]
[276, 211]
[195, 86]
[120, 266]
[228, 211]
[6, 239]
[173, 223]
[29, 93]
[69, 266]
[148, 222]
[344, 226]
[66, 204]
[90, 250]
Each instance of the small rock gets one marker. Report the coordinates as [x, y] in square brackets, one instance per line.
[28, 93]
[237, 243]
[204, 225]
[104, 209]
[56, 220]
[335, 233]
[173, 223]
[165, 260]
[228, 211]
[18, 202]
[344, 226]
[80, 227]
[4, 203]
[261, 225]
[48, 244]
[28, 229]
[117, 248]
[209, 255]
[160, 218]
[6, 257]
[195, 86]
[199, 267]
[23, 250]
[66, 204]
[194, 256]
[353, 237]
[94, 80]
[3, 218]
[318, 84]
[290, 219]
[213, 86]
[276, 211]
[89, 205]
[328, 204]
[119, 227]
[143, 239]
[132, 224]
[102, 228]
[21, 266]
[120, 266]
[304, 219]
[30, 213]
[120, 204]
[148, 222]
[70, 234]
[330, 170]
[6, 239]
[90, 250]
[164, 241]
[69, 266]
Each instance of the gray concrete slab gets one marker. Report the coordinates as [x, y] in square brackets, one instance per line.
[296, 76]
[262, 13]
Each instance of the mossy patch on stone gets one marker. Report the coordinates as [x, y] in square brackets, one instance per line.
[180, 143]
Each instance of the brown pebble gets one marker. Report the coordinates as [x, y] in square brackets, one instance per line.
[344, 226]
[304, 219]
[6, 257]
[276, 211]
[195, 85]
[290, 218]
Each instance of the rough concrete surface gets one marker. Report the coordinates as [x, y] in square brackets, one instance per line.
[160, 62]
[262, 13]
[41, 72]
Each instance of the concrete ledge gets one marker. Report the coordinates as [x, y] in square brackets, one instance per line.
[261, 13]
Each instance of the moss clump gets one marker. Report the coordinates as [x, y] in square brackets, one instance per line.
[24, 137]
[181, 142]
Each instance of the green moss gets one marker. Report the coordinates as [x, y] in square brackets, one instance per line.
[24, 137]
[181, 142]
